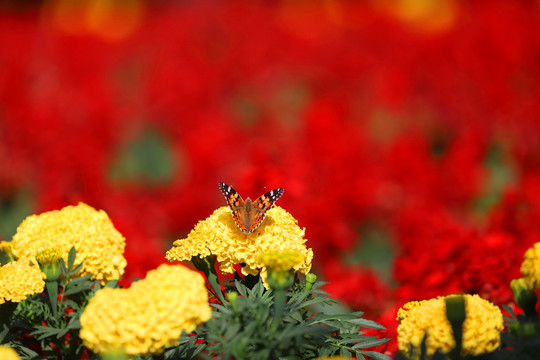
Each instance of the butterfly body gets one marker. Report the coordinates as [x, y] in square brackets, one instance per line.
[248, 215]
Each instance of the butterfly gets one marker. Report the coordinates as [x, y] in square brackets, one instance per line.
[248, 215]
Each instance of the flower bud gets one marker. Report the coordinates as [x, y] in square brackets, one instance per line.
[524, 296]
[280, 266]
[310, 280]
[6, 255]
[278, 280]
[49, 263]
[233, 296]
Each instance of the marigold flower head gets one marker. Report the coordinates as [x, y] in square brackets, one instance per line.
[481, 329]
[218, 235]
[49, 262]
[19, 279]
[530, 268]
[48, 256]
[7, 353]
[148, 316]
[92, 233]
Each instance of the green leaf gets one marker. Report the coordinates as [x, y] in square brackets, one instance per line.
[370, 343]
[376, 355]
[76, 270]
[71, 258]
[63, 268]
[112, 284]
[79, 280]
[370, 324]
[72, 290]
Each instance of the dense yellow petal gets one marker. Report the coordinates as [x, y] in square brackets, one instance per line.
[148, 316]
[92, 233]
[481, 329]
[218, 235]
[530, 268]
[19, 279]
[7, 353]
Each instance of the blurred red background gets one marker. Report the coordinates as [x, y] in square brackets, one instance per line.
[406, 133]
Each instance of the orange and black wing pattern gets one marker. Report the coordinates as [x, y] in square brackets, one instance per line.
[236, 204]
[248, 218]
[262, 205]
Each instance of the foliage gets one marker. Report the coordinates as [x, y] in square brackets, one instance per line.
[47, 324]
[251, 325]
[248, 321]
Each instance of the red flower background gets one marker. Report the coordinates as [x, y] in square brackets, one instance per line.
[406, 133]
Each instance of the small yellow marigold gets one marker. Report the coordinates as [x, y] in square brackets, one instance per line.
[481, 329]
[7, 353]
[148, 316]
[19, 279]
[92, 233]
[48, 256]
[530, 268]
[218, 235]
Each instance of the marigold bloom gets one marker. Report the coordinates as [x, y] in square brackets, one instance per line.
[530, 268]
[218, 235]
[481, 329]
[92, 233]
[7, 353]
[148, 316]
[19, 279]
[49, 262]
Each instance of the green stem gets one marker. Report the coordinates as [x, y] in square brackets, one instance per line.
[52, 291]
[279, 305]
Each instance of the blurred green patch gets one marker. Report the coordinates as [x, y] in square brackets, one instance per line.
[501, 173]
[375, 250]
[14, 208]
[146, 159]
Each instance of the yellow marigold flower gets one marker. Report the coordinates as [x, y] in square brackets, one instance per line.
[148, 316]
[48, 256]
[218, 235]
[18, 279]
[7, 353]
[481, 329]
[530, 268]
[92, 233]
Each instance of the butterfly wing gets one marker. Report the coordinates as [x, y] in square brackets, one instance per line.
[262, 205]
[236, 204]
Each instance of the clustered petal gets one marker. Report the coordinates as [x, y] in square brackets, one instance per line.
[218, 235]
[530, 268]
[92, 233]
[481, 329]
[149, 315]
[19, 279]
[8, 353]
[281, 261]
